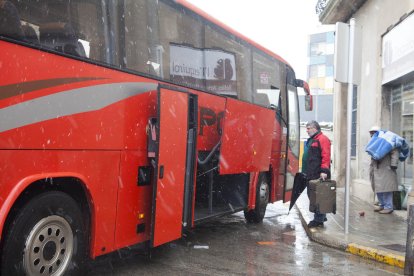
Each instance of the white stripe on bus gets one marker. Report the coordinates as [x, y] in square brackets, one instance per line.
[69, 102]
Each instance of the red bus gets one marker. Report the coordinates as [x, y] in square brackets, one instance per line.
[130, 121]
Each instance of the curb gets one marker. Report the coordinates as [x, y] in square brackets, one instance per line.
[377, 255]
[353, 248]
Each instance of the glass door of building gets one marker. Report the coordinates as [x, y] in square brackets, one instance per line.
[402, 123]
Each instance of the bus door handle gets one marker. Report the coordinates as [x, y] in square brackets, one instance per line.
[161, 175]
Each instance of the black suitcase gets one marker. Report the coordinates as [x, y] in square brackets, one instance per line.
[322, 196]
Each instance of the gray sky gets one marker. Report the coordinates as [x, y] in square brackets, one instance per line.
[282, 26]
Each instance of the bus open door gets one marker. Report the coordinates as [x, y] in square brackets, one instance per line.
[293, 130]
[174, 161]
[290, 135]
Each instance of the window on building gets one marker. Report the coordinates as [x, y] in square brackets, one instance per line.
[318, 49]
[330, 49]
[313, 71]
[330, 37]
[317, 71]
[354, 122]
[329, 71]
[321, 70]
[317, 60]
[402, 117]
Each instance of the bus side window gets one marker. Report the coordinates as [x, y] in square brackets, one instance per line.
[10, 25]
[61, 37]
[30, 34]
[269, 98]
[262, 99]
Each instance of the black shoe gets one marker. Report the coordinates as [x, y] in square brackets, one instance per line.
[314, 224]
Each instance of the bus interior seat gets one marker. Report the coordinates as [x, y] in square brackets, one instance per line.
[61, 37]
[10, 25]
[30, 34]
[262, 99]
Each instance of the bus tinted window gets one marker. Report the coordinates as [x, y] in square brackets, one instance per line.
[91, 29]
[181, 41]
[10, 25]
[70, 27]
[231, 65]
[139, 28]
[156, 38]
[265, 75]
[269, 98]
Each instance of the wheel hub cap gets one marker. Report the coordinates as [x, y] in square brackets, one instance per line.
[49, 247]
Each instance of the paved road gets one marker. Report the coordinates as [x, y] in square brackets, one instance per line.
[278, 246]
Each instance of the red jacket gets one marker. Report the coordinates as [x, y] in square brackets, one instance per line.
[318, 156]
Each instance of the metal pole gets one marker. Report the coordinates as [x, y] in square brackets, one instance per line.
[349, 120]
[409, 256]
[316, 104]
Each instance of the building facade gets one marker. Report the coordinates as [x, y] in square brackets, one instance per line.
[385, 95]
[320, 71]
[321, 48]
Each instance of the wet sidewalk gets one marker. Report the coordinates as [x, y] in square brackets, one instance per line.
[371, 235]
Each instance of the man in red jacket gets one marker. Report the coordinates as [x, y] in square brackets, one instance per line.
[316, 161]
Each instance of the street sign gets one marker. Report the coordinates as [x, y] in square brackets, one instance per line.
[342, 52]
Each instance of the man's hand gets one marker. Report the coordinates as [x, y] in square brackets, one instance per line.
[393, 168]
[324, 176]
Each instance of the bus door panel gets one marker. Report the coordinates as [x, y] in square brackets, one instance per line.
[171, 158]
[282, 119]
[293, 138]
[276, 192]
[281, 179]
[246, 141]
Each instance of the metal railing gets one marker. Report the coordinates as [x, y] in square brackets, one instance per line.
[320, 6]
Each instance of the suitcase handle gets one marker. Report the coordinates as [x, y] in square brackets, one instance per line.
[324, 180]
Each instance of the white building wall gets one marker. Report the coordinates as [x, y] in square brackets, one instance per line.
[374, 17]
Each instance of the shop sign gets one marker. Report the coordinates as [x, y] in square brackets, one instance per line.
[398, 51]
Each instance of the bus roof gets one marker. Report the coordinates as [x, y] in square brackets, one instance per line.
[210, 18]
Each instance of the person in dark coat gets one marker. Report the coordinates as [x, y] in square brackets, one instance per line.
[316, 162]
[383, 176]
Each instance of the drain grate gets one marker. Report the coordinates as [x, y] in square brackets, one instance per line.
[395, 247]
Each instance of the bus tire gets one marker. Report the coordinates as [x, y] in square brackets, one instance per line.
[257, 214]
[47, 237]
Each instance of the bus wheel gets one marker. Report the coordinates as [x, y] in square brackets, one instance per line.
[256, 215]
[47, 237]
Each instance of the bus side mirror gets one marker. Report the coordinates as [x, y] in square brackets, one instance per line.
[308, 96]
[308, 103]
